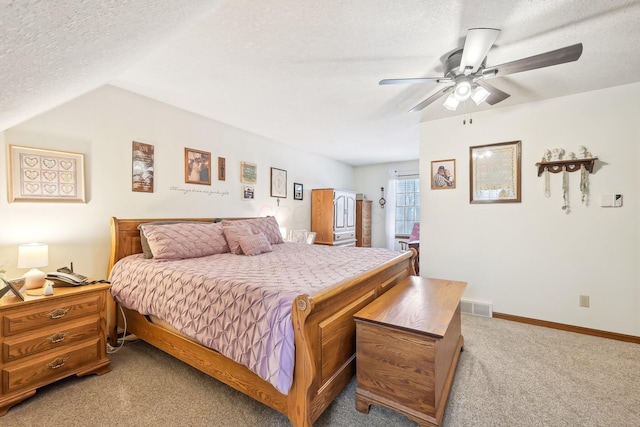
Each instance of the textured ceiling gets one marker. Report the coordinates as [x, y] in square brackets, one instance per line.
[302, 72]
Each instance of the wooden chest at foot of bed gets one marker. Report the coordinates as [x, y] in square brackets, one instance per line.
[408, 343]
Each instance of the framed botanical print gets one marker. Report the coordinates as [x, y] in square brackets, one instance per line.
[278, 183]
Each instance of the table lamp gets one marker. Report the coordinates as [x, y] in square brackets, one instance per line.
[33, 255]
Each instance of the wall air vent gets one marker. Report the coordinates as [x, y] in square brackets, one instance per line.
[476, 308]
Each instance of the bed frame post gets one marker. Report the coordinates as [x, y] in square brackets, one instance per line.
[300, 395]
[112, 307]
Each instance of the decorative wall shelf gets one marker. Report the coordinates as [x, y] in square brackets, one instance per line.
[570, 165]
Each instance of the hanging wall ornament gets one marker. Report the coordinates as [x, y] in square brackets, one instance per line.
[584, 183]
[547, 185]
[382, 200]
[565, 189]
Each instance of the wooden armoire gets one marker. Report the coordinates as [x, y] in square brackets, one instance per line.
[363, 223]
[333, 216]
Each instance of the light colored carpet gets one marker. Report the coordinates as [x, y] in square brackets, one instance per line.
[509, 374]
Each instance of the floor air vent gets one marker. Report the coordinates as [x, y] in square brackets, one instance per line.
[476, 308]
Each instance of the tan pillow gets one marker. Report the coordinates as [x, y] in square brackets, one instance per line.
[255, 245]
[233, 231]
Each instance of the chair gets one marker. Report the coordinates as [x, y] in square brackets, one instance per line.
[413, 242]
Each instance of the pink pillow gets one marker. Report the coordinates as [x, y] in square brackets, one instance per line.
[233, 231]
[267, 226]
[185, 240]
[255, 245]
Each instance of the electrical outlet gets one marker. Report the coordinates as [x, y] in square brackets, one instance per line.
[584, 300]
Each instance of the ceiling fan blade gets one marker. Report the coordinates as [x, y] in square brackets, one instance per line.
[414, 80]
[496, 94]
[431, 99]
[554, 57]
[476, 47]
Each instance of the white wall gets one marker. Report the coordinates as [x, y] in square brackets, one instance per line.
[103, 124]
[368, 180]
[532, 258]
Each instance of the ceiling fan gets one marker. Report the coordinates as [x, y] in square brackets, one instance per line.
[465, 70]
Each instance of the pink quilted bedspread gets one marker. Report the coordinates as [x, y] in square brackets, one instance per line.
[239, 305]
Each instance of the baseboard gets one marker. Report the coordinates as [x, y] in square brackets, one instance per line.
[570, 328]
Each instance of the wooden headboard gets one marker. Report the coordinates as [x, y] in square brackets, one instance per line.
[125, 236]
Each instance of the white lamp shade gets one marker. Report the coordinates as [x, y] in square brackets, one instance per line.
[451, 103]
[480, 95]
[31, 255]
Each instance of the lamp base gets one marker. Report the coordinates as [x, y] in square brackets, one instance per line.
[33, 279]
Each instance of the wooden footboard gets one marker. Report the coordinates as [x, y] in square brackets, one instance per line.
[324, 335]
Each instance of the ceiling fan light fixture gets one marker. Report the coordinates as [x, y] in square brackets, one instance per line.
[451, 103]
[462, 91]
[480, 95]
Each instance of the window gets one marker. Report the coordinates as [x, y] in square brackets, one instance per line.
[407, 204]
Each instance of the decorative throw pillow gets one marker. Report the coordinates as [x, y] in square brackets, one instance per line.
[233, 231]
[185, 240]
[146, 250]
[255, 245]
[267, 226]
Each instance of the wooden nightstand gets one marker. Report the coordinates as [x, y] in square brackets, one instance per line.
[45, 339]
[408, 343]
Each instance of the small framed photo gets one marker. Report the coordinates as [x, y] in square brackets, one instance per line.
[278, 183]
[9, 286]
[494, 172]
[248, 192]
[299, 236]
[443, 174]
[297, 191]
[39, 175]
[222, 169]
[248, 173]
[197, 167]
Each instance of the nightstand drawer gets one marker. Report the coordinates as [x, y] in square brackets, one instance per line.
[48, 313]
[66, 335]
[48, 368]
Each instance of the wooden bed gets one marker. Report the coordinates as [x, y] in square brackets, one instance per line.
[323, 325]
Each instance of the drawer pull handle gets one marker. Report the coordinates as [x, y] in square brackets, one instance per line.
[58, 363]
[58, 313]
[60, 336]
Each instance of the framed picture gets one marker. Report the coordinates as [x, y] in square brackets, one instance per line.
[247, 192]
[222, 169]
[278, 183]
[39, 175]
[494, 172]
[299, 236]
[248, 173]
[311, 237]
[142, 167]
[297, 191]
[8, 286]
[443, 174]
[197, 167]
